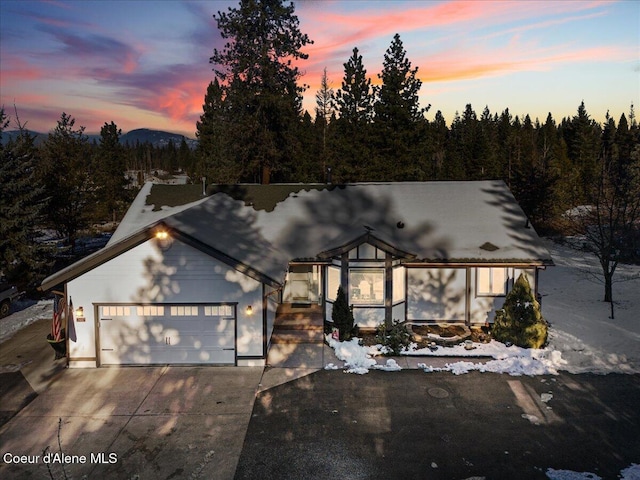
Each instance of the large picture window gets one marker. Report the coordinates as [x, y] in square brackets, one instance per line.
[492, 281]
[366, 286]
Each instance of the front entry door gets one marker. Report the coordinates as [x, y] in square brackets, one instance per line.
[302, 284]
[299, 286]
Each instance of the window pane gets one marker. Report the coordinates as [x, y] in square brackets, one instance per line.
[499, 279]
[366, 251]
[398, 284]
[484, 281]
[366, 286]
[333, 282]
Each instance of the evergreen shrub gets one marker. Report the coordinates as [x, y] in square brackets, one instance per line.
[395, 339]
[342, 316]
[520, 321]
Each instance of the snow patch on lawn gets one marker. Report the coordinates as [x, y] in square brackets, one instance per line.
[26, 314]
[630, 473]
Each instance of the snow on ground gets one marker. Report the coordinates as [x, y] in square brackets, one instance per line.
[582, 338]
[630, 473]
[25, 313]
[582, 330]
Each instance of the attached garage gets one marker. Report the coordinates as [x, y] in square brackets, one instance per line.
[167, 334]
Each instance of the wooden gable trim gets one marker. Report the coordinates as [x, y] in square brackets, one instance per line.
[366, 238]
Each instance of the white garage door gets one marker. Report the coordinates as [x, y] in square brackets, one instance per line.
[167, 334]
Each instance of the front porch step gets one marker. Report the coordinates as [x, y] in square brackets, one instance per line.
[296, 324]
[297, 336]
[299, 308]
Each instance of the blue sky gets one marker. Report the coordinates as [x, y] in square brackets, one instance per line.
[146, 63]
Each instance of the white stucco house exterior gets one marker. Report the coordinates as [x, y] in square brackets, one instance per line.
[200, 282]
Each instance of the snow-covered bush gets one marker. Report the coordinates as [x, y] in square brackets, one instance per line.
[520, 321]
[394, 339]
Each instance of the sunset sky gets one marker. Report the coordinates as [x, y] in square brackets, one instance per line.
[146, 63]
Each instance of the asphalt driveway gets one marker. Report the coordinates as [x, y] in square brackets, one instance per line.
[414, 425]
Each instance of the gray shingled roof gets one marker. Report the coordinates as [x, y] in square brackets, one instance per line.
[265, 227]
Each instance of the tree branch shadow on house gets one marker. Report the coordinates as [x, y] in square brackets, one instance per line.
[258, 242]
[333, 218]
[437, 295]
[516, 224]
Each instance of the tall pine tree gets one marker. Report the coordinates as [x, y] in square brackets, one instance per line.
[22, 258]
[67, 182]
[111, 184]
[261, 95]
[354, 101]
[398, 116]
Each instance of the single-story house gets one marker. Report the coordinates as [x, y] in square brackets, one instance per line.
[200, 282]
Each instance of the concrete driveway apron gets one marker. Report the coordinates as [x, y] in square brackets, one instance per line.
[136, 422]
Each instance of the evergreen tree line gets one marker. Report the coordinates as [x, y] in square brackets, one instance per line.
[363, 132]
[68, 183]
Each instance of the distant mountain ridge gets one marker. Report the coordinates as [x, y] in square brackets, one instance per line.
[157, 138]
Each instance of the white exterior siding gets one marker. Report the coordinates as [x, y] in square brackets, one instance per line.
[148, 274]
[436, 294]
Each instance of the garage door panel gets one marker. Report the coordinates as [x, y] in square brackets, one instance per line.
[153, 334]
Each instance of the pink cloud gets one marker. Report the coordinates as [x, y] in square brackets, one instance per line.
[455, 65]
[334, 31]
[16, 70]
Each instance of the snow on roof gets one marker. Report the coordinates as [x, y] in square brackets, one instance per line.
[448, 222]
[265, 227]
[141, 214]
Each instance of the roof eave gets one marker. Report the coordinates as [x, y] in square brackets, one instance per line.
[472, 262]
[102, 256]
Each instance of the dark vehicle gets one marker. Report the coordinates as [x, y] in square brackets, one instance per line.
[8, 293]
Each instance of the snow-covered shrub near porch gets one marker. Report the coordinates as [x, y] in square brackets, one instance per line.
[394, 340]
[520, 321]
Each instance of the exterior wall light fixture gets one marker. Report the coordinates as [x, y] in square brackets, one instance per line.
[164, 239]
